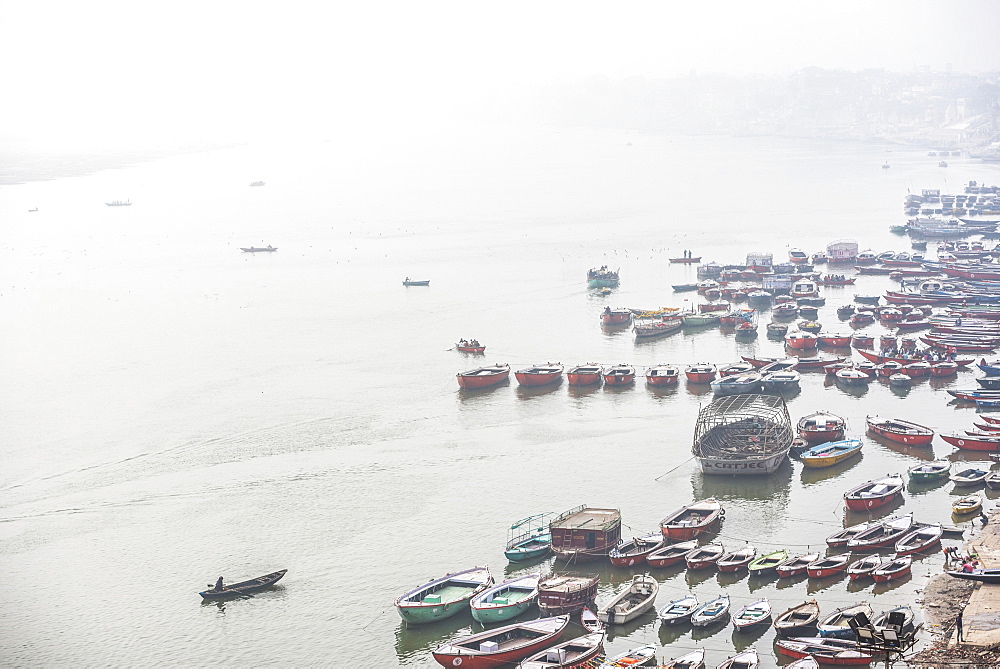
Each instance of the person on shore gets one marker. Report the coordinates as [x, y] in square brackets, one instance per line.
[983, 517]
[958, 626]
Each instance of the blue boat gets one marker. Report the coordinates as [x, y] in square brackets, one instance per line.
[830, 453]
[529, 538]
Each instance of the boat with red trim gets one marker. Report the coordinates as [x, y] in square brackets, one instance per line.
[797, 619]
[801, 340]
[662, 375]
[483, 377]
[691, 520]
[920, 539]
[892, 569]
[802, 363]
[501, 645]
[820, 426]
[965, 442]
[616, 316]
[672, 554]
[838, 539]
[563, 593]
[878, 359]
[736, 560]
[828, 566]
[752, 614]
[874, 494]
[584, 375]
[618, 375]
[796, 565]
[636, 550]
[837, 624]
[539, 375]
[585, 534]
[901, 431]
[864, 567]
[835, 340]
[470, 346]
[700, 372]
[705, 556]
[882, 534]
[837, 280]
[824, 651]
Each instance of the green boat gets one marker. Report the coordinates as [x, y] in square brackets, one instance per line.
[698, 320]
[529, 538]
[602, 278]
[930, 471]
[506, 600]
[443, 597]
[765, 564]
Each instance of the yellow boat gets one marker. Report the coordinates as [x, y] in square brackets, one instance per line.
[966, 505]
[830, 453]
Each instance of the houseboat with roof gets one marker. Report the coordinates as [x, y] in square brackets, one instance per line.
[743, 435]
[585, 534]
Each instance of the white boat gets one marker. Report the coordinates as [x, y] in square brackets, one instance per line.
[635, 600]
[752, 614]
[635, 657]
[678, 610]
[746, 660]
[710, 612]
[693, 660]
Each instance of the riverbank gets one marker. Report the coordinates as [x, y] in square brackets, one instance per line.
[945, 596]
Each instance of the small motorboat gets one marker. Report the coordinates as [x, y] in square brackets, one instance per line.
[920, 539]
[704, 556]
[573, 653]
[483, 377]
[501, 645]
[736, 560]
[662, 375]
[711, 612]
[633, 601]
[539, 375]
[243, 587]
[618, 375]
[837, 624]
[797, 619]
[767, 563]
[752, 614]
[671, 554]
[735, 369]
[864, 567]
[966, 505]
[700, 372]
[795, 566]
[892, 569]
[828, 566]
[801, 340]
[584, 375]
[678, 610]
[972, 476]
[929, 471]
[748, 659]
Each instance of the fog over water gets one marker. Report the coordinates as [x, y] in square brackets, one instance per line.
[175, 410]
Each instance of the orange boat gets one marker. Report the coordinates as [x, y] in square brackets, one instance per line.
[662, 375]
[618, 375]
[483, 377]
[539, 375]
[584, 375]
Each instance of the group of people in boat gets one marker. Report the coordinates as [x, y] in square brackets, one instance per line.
[835, 277]
[474, 343]
[910, 352]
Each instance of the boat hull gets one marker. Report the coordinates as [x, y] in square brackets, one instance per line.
[743, 467]
[470, 382]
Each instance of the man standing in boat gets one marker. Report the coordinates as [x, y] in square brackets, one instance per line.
[218, 585]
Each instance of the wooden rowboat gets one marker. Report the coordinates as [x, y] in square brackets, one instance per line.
[824, 650]
[864, 567]
[929, 471]
[892, 569]
[966, 505]
[505, 600]
[767, 563]
[795, 566]
[752, 614]
[710, 612]
[633, 601]
[736, 560]
[589, 620]
[679, 610]
[748, 659]
[693, 660]
[244, 587]
[874, 494]
[443, 597]
[631, 658]
[828, 566]
[705, 556]
[573, 653]
[831, 453]
[882, 534]
[797, 618]
[901, 431]
[690, 521]
[671, 555]
[837, 624]
[636, 550]
[501, 645]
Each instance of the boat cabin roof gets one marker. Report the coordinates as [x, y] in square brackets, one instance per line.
[590, 519]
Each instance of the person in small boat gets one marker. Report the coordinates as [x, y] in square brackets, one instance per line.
[607, 310]
[218, 585]
[967, 567]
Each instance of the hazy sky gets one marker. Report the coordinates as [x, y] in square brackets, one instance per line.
[98, 69]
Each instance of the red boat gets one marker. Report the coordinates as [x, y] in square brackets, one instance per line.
[820, 427]
[901, 431]
[470, 346]
[800, 340]
[876, 358]
[691, 520]
[973, 443]
[662, 375]
[501, 645]
[909, 325]
[959, 345]
[864, 567]
[838, 539]
[873, 494]
[584, 375]
[636, 550]
[686, 260]
[700, 372]
[824, 650]
[834, 340]
[945, 368]
[672, 554]
[890, 570]
[618, 375]
[736, 560]
[803, 363]
[887, 369]
[841, 281]
[483, 377]
[705, 556]
[828, 566]
[539, 375]
[882, 534]
[796, 565]
[920, 539]
[616, 316]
